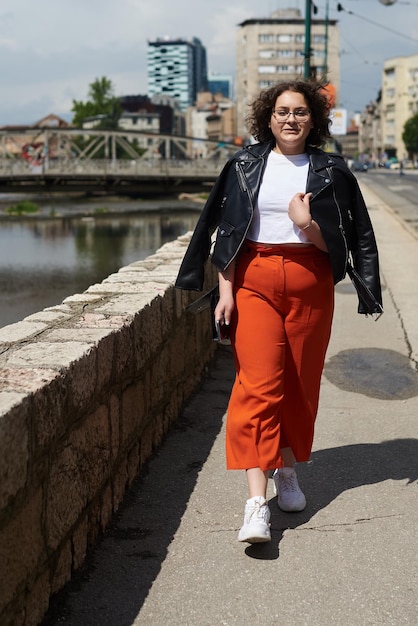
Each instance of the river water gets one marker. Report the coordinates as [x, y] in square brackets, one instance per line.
[68, 247]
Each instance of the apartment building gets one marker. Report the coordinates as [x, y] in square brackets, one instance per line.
[269, 50]
[212, 118]
[370, 131]
[177, 68]
[399, 102]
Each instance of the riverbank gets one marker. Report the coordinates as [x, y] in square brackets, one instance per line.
[58, 206]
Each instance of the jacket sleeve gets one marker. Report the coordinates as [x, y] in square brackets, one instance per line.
[364, 250]
[192, 269]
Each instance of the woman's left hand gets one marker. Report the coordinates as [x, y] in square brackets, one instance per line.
[299, 211]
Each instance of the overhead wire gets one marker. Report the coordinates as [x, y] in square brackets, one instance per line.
[366, 19]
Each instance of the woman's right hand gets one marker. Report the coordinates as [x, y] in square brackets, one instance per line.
[226, 304]
[224, 308]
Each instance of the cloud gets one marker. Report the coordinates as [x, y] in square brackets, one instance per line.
[51, 51]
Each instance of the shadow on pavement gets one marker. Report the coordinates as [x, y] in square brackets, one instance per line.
[333, 471]
[133, 549]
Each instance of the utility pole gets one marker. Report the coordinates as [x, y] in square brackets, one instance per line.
[307, 54]
[326, 39]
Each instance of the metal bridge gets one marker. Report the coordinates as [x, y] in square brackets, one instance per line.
[87, 160]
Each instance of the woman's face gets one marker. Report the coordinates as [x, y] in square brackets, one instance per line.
[291, 122]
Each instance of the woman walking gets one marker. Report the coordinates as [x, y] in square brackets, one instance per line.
[288, 216]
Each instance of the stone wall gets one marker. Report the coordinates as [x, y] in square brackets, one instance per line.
[87, 391]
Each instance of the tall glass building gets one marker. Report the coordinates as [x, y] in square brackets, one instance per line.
[177, 68]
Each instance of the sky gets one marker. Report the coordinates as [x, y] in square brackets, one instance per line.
[51, 50]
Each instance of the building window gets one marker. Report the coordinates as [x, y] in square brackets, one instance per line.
[265, 38]
[390, 93]
[285, 38]
[286, 69]
[266, 69]
[300, 38]
[413, 73]
[318, 39]
[266, 84]
[267, 54]
[285, 53]
[390, 73]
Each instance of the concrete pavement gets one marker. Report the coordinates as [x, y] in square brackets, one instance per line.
[171, 556]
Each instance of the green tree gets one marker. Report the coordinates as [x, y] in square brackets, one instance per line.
[101, 101]
[410, 135]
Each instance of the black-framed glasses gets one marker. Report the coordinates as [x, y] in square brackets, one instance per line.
[282, 115]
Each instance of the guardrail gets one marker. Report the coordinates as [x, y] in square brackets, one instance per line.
[140, 175]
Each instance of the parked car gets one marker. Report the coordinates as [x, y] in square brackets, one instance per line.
[360, 166]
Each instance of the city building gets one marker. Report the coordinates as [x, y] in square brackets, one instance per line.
[221, 84]
[272, 49]
[370, 131]
[212, 118]
[399, 102]
[177, 68]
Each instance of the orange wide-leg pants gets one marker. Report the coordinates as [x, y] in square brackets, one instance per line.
[280, 331]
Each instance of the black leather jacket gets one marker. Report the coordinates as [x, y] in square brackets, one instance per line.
[337, 206]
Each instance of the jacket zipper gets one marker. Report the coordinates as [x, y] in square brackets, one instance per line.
[340, 226]
[242, 182]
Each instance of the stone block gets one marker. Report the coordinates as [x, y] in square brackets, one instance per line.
[48, 418]
[132, 413]
[105, 363]
[63, 569]
[56, 356]
[147, 444]
[124, 356]
[147, 333]
[124, 304]
[168, 319]
[14, 450]
[20, 331]
[25, 380]
[81, 379]
[47, 316]
[119, 483]
[133, 464]
[80, 542]
[161, 377]
[86, 335]
[114, 417]
[38, 599]
[22, 548]
[106, 510]
[78, 470]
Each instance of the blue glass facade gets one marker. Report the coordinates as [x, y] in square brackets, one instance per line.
[177, 68]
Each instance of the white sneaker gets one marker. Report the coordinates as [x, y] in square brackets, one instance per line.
[290, 498]
[256, 526]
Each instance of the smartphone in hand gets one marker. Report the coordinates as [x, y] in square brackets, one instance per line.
[222, 333]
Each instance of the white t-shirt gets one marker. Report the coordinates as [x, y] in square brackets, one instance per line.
[284, 176]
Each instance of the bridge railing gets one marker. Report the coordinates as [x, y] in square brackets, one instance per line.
[103, 167]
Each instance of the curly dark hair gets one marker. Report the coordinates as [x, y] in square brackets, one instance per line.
[258, 120]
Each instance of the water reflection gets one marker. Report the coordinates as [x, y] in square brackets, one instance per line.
[43, 261]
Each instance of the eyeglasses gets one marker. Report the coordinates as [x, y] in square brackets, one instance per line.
[282, 115]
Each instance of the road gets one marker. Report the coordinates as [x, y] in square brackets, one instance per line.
[399, 192]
